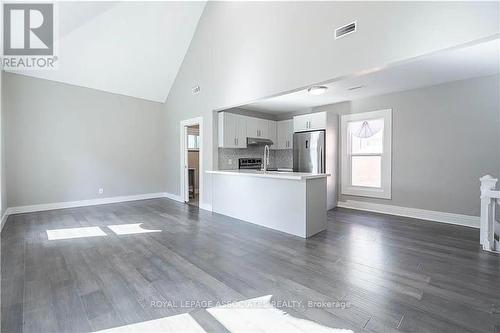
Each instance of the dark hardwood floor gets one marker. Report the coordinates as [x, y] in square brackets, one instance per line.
[381, 273]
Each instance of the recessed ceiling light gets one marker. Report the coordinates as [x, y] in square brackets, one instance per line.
[317, 90]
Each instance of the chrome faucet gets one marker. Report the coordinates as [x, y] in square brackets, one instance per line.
[266, 158]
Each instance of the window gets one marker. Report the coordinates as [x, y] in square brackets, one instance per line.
[193, 137]
[193, 142]
[366, 154]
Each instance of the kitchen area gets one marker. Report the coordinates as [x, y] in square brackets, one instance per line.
[276, 170]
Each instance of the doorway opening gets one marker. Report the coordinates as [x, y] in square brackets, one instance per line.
[191, 161]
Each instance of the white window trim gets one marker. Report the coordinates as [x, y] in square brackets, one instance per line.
[386, 168]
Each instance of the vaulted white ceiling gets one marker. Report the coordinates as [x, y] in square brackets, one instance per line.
[128, 48]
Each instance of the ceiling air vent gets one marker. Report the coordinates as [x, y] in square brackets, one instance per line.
[195, 90]
[345, 30]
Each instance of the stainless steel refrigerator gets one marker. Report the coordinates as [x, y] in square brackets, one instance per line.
[309, 152]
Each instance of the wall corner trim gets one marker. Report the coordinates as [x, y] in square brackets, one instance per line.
[174, 197]
[422, 214]
[4, 219]
[206, 206]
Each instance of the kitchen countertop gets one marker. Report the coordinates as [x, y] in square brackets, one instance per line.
[271, 174]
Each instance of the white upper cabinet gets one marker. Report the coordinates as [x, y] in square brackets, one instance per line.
[309, 122]
[285, 134]
[241, 131]
[300, 123]
[232, 130]
[257, 128]
[273, 133]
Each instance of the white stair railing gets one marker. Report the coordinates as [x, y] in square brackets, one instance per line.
[488, 223]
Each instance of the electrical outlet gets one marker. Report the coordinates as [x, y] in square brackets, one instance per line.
[101, 190]
[230, 161]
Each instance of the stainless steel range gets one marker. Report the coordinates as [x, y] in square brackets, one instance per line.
[250, 163]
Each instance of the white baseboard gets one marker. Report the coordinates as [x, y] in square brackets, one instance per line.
[422, 214]
[83, 203]
[91, 202]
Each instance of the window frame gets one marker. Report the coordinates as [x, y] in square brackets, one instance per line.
[347, 188]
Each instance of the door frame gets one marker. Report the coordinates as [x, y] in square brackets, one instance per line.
[184, 188]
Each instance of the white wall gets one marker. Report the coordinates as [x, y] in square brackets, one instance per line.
[243, 51]
[62, 143]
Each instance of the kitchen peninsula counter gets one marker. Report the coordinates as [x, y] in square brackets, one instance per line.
[291, 202]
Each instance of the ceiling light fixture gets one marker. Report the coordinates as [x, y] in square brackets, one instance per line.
[317, 90]
[355, 88]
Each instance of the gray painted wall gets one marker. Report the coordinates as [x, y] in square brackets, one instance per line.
[236, 61]
[444, 138]
[65, 142]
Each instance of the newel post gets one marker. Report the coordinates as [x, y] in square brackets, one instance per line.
[487, 231]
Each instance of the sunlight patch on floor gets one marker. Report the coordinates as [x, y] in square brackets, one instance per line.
[259, 315]
[70, 233]
[129, 229]
[178, 323]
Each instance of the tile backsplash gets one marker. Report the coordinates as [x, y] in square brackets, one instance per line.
[282, 158]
